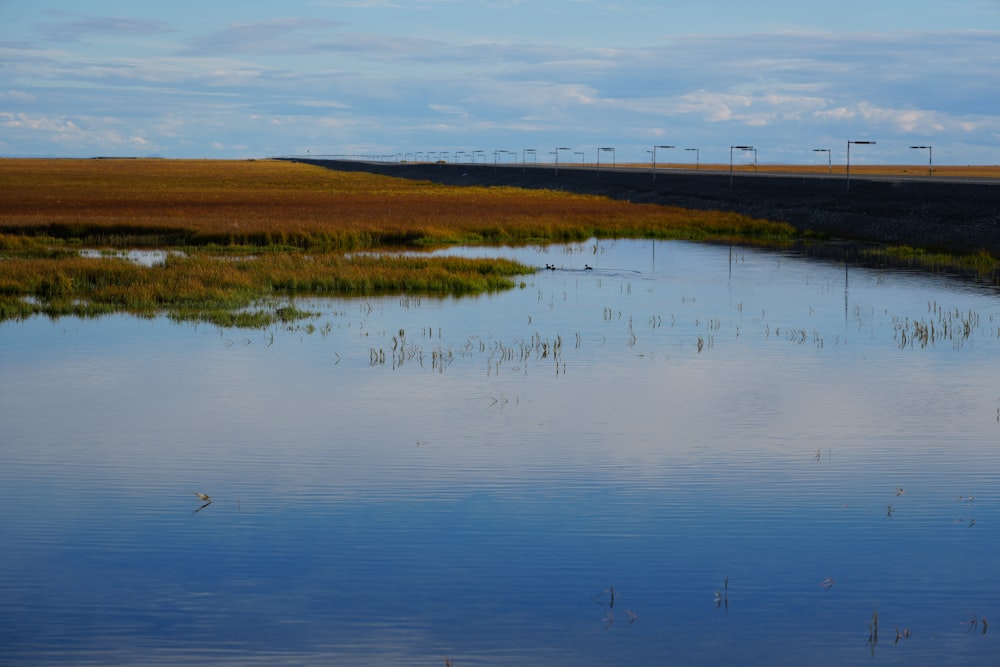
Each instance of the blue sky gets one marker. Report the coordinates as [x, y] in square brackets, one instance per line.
[225, 79]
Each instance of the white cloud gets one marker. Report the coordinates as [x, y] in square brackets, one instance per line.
[287, 36]
[449, 109]
[84, 133]
[76, 27]
[531, 96]
[336, 123]
[170, 126]
[362, 4]
[323, 104]
[835, 114]
[38, 123]
[713, 107]
[16, 96]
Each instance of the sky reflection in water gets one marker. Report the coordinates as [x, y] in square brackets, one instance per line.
[679, 415]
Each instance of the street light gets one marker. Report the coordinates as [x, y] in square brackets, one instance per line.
[524, 158]
[560, 148]
[583, 157]
[697, 157]
[739, 148]
[930, 158]
[501, 151]
[604, 148]
[860, 143]
[654, 158]
[829, 157]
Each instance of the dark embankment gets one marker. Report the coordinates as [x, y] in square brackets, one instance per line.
[932, 214]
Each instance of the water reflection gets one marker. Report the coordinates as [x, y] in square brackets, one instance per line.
[689, 454]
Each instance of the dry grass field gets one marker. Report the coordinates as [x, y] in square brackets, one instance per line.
[156, 203]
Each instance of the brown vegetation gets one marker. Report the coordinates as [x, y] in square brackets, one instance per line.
[159, 203]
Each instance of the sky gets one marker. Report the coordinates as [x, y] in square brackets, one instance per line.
[251, 79]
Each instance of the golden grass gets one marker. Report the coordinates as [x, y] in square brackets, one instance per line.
[159, 203]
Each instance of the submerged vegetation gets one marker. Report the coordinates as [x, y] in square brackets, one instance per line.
[238, 239]
[981, 264]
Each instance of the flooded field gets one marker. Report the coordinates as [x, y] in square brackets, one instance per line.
[650, 453]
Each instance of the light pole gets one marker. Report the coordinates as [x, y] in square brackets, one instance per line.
[654, 158]
[496, 157]
[930, 158]
[604, 148]
[560, 148]
[583, 157]
[829, 157]
[697, 157]
[860, 143]
[524, 158]
[739, 148]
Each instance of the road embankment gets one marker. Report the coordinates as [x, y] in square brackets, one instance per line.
[934, 214]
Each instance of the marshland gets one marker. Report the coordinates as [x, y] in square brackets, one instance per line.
[685, 440]
[252, 231]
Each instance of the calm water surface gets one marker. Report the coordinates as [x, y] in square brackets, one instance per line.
[756, 452]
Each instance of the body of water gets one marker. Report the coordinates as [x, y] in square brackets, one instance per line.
[684, 455]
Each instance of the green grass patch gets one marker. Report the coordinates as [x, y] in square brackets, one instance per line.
[221, 289]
